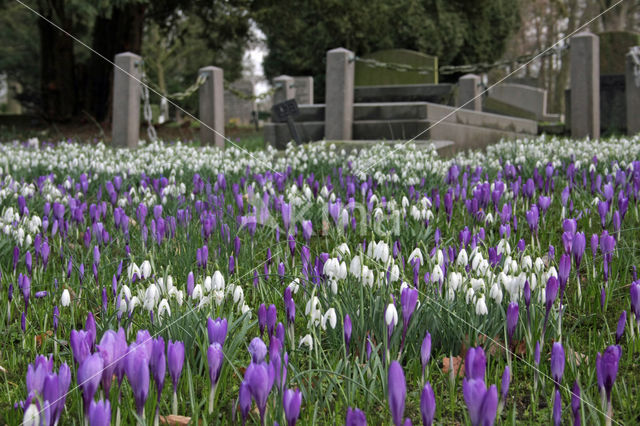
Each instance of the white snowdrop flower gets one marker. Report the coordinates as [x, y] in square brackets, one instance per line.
[135, 301]
[125, 291]
[469, 295]
[367, 277]
[331, 267]
[514, 267]
[145, 268]
[204, 302]
[163, 308]
[374, 199]
[428, 214]
[394, 274]
[533, 281]
[218, 296]
[218, 281]
[481, 306]
[455, 279]
[342, 271]
[123, 306]
[538, 265]
[324, 192]
[330, 318]
[151, 297]
[475, 261]
[391, 315]
[177, 294]
[197, 293]
[403, 286]
[312, 305]
[294, 285]
[32, 416]
[496, 293]
[542, 295]
[552, 272]
[504, 247]
[488, 219]
[451, 295]
[245, 308]
[344, 218]
[426, 203]
[477, 284]
[414, 212]
[462, 259]
[208, 284]
[405, 202]
[307, 341]
[381, 252]
[343, 250]
[439, 257]
[65, 299]
[416, 253]
[238, 295]
[133, 270]
[355, 268]
[437, 274]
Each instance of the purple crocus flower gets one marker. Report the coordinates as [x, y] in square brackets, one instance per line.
[512, 319]
[397, 392]
[504, 387]
[634, 295]
[482, 403]
[603, 209]
[355, 417]
[80, 342]
[475, 363]
[90, 328]
[595, 241]
[408, 300]
[272, 318]
[158, 365]
[89, 374]
[577, 248]
[607, 367]
[217, 330]
[262, 317]
[100, 413]
[137, 369]
[258, 350]
[291, 400]
[347, 331]
[557, 408]
[175, 359]
[215, 358]
[244, 400]
[564, 269]
[575, 403]
[260, 379]
[551, 292]
[109, 351]
[307, 230]
[427, 405]
[557, 362]
[425, 352]
[620, 329]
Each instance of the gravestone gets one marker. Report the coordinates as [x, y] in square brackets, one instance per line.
[211, 107]
[304, 90]
[366, 75]
[633, 91]
[284, 88]
[237, 110]
[338, 118]
[469, 92]
[585, 85]
[126, 100]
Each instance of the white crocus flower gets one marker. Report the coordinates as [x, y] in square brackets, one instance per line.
[391, 315]
[307, 341]
[481, 306]
[65, 299]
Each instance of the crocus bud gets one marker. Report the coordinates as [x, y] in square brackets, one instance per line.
[347, 331]
[427, 404]
[397, 392]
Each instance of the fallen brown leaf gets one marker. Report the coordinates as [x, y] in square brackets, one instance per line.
[175, 420]
[458, 365]
[40, 338]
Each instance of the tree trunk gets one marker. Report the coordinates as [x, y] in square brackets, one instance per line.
[57, 82]
[120, 32]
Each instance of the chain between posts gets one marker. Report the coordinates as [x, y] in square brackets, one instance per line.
[146, 109]
[635, 56]
[480, 67]
[246, 96]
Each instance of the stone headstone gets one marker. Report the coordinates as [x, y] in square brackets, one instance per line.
[126, 100]
[304, 90]
[633, 93]
[521, 96]
[366, 75]
[469, 92]
[284, 88]
[584, 58]
[211, 107]
[238, 109]
[338, 118]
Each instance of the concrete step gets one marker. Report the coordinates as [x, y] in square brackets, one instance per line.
[277, 134]
[467, 117]
[307, 112]
[390, 111]
[440, 93]
[389, 129]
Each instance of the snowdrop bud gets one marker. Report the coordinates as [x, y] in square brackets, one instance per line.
[151, 296]
[330, 317]
[197, 292]
[218, 281]
[356, 267]
[394, 275]
[481, 306]
[463, 259]
[469, 296]
[163, 308]
[391, 315]
[65, 299]
[208, 284]
[496, 293]
[455, 279]
[437, 274]
[238, 295]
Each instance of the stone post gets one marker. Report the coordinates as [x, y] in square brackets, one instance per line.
[632, 89]
[284, 88]
[469, 92]
[212, 107]
[338, 111]
[125, 131]
[304, 90]
[585, 85]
